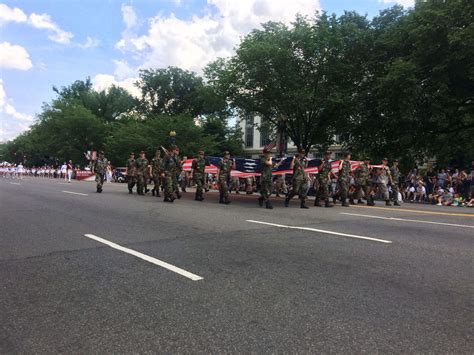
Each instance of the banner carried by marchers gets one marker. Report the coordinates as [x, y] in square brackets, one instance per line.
[252, 167]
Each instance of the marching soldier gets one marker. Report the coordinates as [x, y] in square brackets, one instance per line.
[178, 171]
[363, 183]
[170, 167]
[99, 169]
[344, 171]
[383, 178]
[300, 179]
[198, 174]
[156, 172]
[223, 177]
[130, 172]
[395, 172]
[324, 178]
[141, 166]
[266, 178]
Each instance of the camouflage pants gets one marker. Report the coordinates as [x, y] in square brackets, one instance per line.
[323, 190]
[99, 179]
[383, 190]
[141, 183]
[266, 189]
[395, 190]
[169, 185]
[199, 181]
[131, 181]
[223, 187]
[344, 189]
[156, 183]
[362, 187]
[300, 188]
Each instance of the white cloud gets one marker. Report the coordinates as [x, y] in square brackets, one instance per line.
[129, 16]
[44, 21]
[404, 3]
[123, 70]
[105, 81]
[8, 14]
[191, 44]
[89, 43]
[12, 122]
[14, 57]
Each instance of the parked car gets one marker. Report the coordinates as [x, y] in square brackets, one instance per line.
[119, 174]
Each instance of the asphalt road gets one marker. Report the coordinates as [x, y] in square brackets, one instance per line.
[264, 288]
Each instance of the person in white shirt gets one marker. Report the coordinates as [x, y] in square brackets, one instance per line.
[63, 171]
[69, 169]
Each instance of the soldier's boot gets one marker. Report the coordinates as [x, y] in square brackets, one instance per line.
[196, 196]
[344, 203]
[166, 199]
[221, 198]
[370, 201]
[334, 199]
[178, 195]
[260, 201]
[268, 205]
[387, 203]
[130, 191]
[153, 191]
[201, 198]
[99, 190]
[226, 201]
[396, 203]
[359, 201]
[328, 204]
[351, 201]
[287, 202]
[303, 205]
[317, 202]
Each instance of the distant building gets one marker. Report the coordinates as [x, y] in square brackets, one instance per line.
[254, 141]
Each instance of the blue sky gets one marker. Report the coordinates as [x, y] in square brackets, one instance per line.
[54, 42]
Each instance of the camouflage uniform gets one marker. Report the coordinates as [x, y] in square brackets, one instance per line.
[362, 182]
[266, 182]
[383, 179]
[300, 182]
[170, 165]
[199, 166]
[141, 166]
[395, 179]
[324, 181]
[344, 172]
[179, 170]
[131, 174]
[225, 168]
[156, 171]
[100, 168]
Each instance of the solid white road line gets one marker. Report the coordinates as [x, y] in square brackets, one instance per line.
[321, 231]
[15, 183]
[75, 193]
[146, 258]
[408, 220]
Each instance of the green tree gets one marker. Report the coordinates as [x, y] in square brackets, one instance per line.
[293, 77]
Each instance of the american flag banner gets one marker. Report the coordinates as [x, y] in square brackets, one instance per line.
[251, 167]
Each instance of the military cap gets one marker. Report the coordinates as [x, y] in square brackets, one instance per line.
[101, 152]
[142, 152]
[201, 152]
[226, 152]
[386, 159]
[173, 147]
[301, 151]
[395, 160]
[132, 153]
[367, 158]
